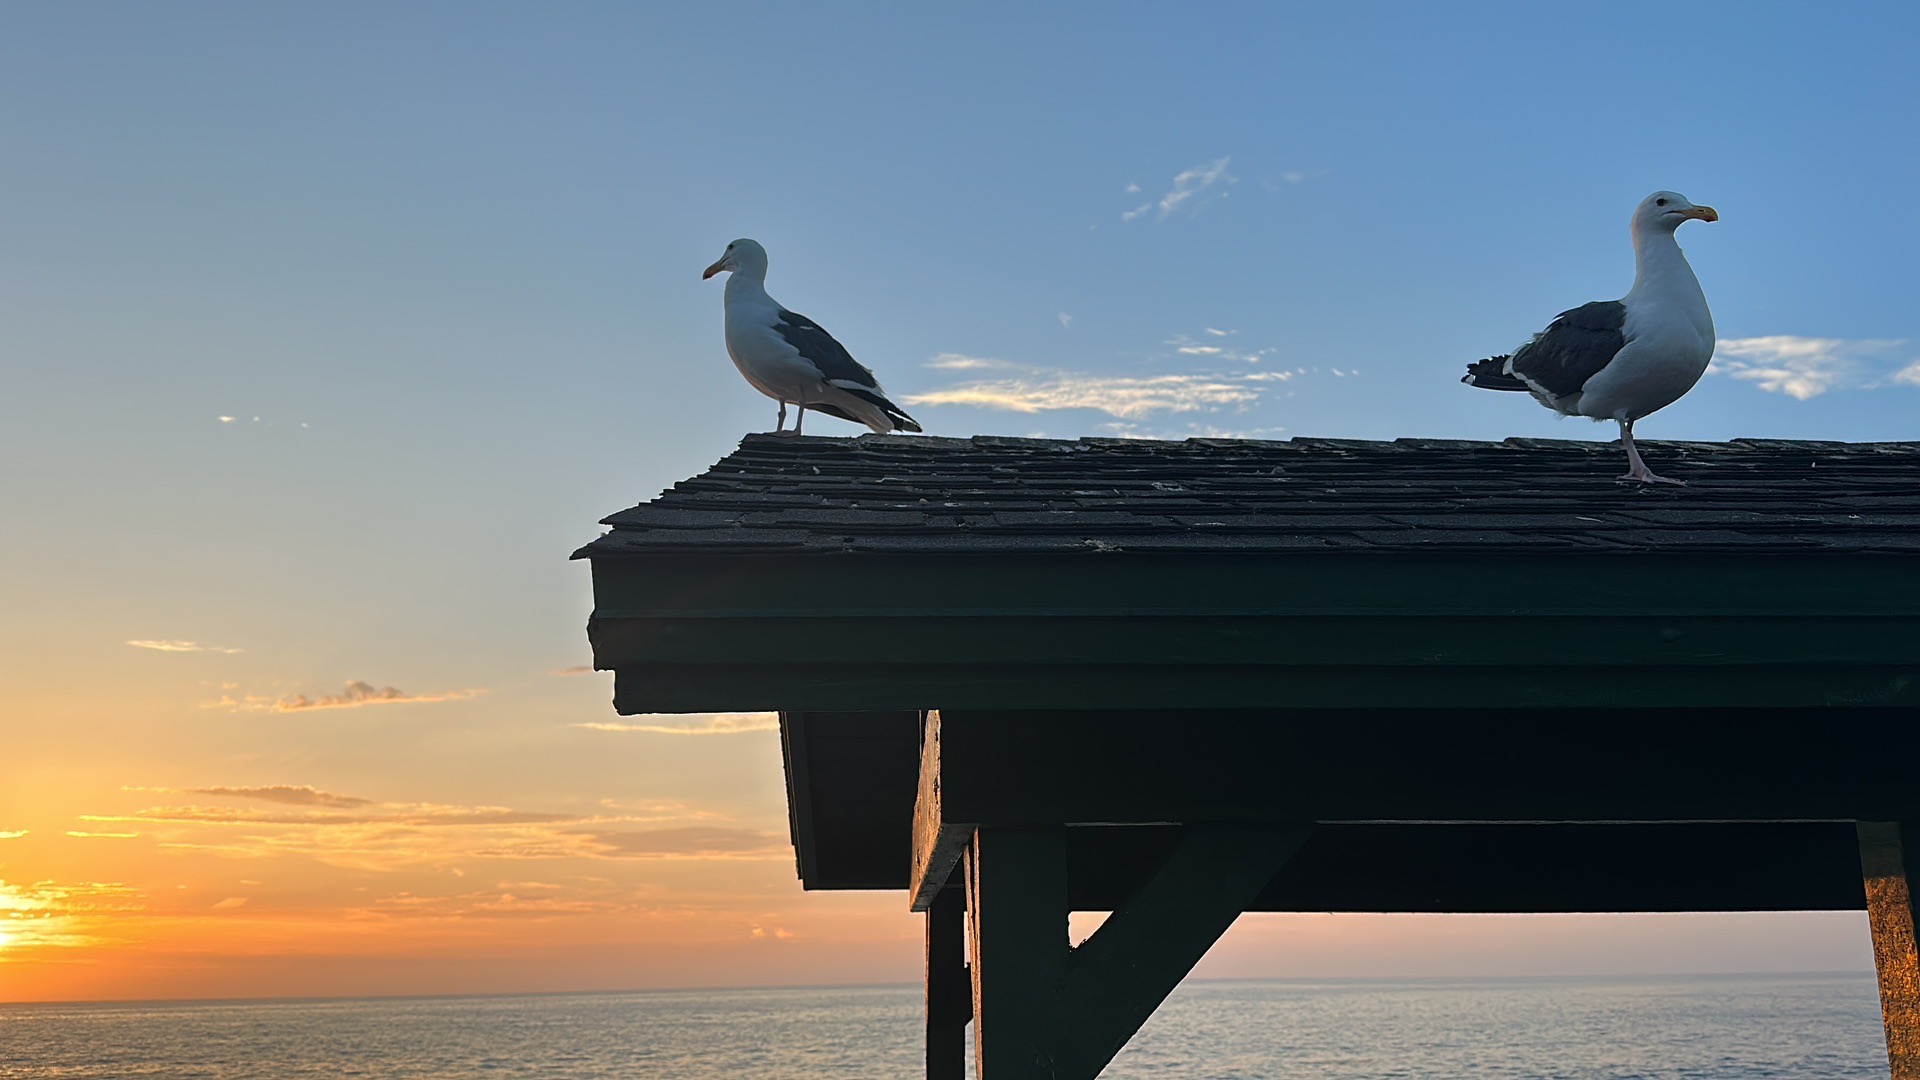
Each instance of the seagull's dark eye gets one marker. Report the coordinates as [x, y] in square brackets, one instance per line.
[1663, 202]
[1659, 202]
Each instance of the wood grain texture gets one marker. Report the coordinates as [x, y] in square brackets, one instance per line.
[1887, 859]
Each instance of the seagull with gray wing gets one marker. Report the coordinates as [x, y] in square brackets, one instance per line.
[1622, 359]
[789, 358]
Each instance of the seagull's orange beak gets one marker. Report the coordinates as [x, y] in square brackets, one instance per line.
[1704, 213]
[720, 265]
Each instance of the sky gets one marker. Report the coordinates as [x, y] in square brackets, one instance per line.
[328, 331]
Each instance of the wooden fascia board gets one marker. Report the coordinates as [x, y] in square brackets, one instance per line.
[856, 686]
[701, 633]
[1386, 583]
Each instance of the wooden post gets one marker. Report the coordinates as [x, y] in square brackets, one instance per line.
[1889, 855]
[1017, 915]
[1044, 1010]
[949, 1005]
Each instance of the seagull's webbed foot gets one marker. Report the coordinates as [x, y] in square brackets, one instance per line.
[1637, 469]
[1647, 476]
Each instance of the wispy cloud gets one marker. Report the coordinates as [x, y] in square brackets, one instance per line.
[693, 841]
[958, 362]
[1123, 429]
[181, 646]
[1806, 367]
[710, 724]
[1066, 320]
[82, 835]
[1213, 347]
[356, 695]
[384, 836]
[576, 669]
[12, 834]
[1116, 395]
[289, 794]
[1188, 186]
[1029, 388]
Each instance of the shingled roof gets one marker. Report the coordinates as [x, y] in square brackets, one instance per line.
[883, 493]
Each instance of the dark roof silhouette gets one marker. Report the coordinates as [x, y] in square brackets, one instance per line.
[886, 493]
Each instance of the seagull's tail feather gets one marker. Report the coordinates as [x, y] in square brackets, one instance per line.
[895, 418]
[1492, 374]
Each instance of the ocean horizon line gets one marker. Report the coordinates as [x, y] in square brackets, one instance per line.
[1299, 980]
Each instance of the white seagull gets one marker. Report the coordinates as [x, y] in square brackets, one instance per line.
[1622, 359]
[789, 358]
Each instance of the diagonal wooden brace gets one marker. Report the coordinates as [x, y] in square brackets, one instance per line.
[1044, 1009]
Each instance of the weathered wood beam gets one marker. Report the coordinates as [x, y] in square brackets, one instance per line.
[949, 996]
[1416, 766]
[1889, 858]
[937, 843]
[1044, 1009]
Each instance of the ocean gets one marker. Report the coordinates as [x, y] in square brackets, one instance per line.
[1808, 1027]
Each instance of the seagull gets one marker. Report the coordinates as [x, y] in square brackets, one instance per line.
[789, 358]
[1622, 359]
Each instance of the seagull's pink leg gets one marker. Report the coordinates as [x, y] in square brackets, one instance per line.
[1637, 469]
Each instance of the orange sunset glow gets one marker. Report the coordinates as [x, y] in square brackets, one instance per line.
[330, 332]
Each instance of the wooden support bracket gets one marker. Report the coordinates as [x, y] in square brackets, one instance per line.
[937, 843]
[1045, 1009]
[1889, 857]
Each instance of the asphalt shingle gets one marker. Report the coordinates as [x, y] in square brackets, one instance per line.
[992, 494]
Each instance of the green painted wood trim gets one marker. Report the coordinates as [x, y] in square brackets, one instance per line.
[859, 686]
[1354, 584]
[1420, 640]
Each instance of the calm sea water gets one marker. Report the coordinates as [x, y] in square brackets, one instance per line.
[1745, 1028]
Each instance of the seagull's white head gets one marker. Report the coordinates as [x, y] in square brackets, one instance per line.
[1665, 211]
[743, 256]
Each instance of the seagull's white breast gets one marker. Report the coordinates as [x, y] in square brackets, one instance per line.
[765, 359]
[1667, 351]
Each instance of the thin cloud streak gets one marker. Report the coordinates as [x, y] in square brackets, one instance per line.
[182, 647]
[289, 794]
[315, 825]
[356, 695]
[1129, 397]
[714, 724]
[1126, 396]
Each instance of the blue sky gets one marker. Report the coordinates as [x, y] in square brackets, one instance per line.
[329, 330]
